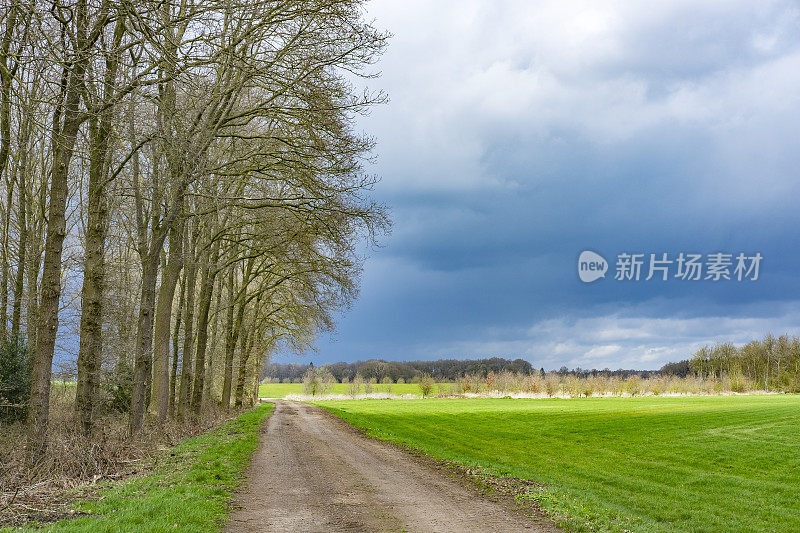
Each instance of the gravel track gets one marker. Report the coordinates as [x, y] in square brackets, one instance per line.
[314, 472]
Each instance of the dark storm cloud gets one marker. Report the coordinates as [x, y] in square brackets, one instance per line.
[520, 134]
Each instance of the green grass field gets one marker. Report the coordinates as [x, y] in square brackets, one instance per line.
[718, 463]
[279, 390]
[189, 491]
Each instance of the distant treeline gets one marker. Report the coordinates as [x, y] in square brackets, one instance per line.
[440, 370]
[770, 364]
[447, 370]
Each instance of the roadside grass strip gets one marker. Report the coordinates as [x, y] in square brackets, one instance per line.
[189, 489]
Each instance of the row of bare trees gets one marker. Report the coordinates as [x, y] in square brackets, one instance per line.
[195, 165]
[772, 364]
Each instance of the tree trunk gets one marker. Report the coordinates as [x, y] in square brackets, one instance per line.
[234, 331]
[206, 289]
[94, 266]
[37, 227]
[6, 79]
[144, 342]
[208, 382]
[65, 131]
[256, 376]
[231, 337]
[244, 357]
[252, 338]
[184, 396]
[125, 332]
[166, 295]
[175, 345]
[91, 340]
[19, 282]
[5, 259]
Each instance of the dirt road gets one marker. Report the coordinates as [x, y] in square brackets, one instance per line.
[313, 472]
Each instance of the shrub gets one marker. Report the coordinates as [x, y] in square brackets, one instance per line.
[657, 386]
[318, 380]
[117, 387]
[509, 381]
[425, 384]
[491, 381]
[354, 387]
[737, 382]
[792, 382]
[573, 386]
[15, 380]
[551, 384]
[531, 384]
[634, 385]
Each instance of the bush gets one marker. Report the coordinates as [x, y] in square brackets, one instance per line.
[491, 381]
[737, 382]
[634, 385]
[354, 387]
[318, 381]
[509, 381]
[657, 386]
[117, 386]
[531, 384]
[551, 384]
[425, 384]
[15, 380]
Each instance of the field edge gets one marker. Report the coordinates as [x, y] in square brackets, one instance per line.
[191, 489]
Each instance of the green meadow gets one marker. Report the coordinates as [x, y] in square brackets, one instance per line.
[704, 463]
[280, 390]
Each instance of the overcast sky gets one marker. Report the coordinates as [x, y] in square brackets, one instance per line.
[521, 133]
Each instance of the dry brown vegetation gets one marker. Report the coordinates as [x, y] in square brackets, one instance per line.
[569, 385]
[74, 465]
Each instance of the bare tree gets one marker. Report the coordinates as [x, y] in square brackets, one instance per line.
[80, 37]
[101, 115]
[211, 140]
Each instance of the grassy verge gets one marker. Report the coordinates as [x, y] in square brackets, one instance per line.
[188, 491]
[720, 463]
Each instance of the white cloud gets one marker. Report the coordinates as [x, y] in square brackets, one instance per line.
[617, 341]
[460, 72]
